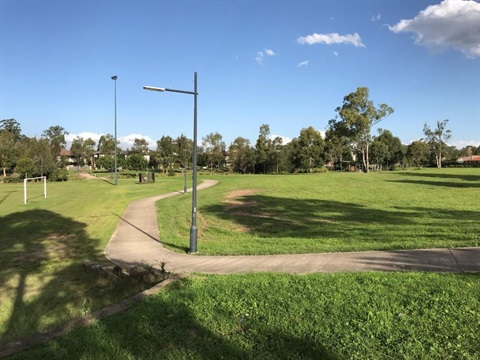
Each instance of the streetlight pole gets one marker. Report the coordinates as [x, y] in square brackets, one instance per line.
[114, 78]
[185, 172]
[193, 228]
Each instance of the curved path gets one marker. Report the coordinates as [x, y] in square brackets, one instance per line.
[136, 241]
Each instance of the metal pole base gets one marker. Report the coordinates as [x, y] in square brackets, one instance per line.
[193, 240]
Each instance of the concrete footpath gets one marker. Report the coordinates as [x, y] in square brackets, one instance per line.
[136, 241]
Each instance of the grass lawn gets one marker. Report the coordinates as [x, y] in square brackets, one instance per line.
[275, 316]
[43, 245]
[281, 214]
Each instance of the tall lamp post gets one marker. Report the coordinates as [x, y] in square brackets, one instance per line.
[114, 78]
[193, 228]
[185, 172]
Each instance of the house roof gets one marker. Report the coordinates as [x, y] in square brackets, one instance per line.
[469, 158]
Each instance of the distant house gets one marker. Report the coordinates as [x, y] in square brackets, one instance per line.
[67, 156]
[469, 159]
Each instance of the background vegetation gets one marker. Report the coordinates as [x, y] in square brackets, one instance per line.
[348, 143]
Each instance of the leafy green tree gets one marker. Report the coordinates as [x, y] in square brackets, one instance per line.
[264, 147]
[41, 153]
[378, 153]
[83, 150]
[215, 149]
[308, 149]
[240, 154]
[55, 136]
[10, 136]
[202, 156]
[106, 145]
[165, 150]
[140, 146]
[8, 151]
[13, 127]
[25, 166]
[89, 149]
[418, 151]
[437, 139]
[107, 162]
[336, 143]
[386, 149]
[279, 155]
[183, 149]
[77, 149]
[137, 162]
[358, 114]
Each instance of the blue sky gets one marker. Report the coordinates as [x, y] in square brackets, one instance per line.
[284, 63]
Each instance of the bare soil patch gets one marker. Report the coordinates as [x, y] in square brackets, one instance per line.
[239, 198]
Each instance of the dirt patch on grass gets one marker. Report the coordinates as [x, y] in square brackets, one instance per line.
[239, 198]
[241, 203]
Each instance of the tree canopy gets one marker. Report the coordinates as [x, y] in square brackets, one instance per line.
[357, 116]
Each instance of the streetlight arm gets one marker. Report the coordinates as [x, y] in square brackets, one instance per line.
[153, 88]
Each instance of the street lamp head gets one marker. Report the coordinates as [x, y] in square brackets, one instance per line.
[114, 77]
[153, 88]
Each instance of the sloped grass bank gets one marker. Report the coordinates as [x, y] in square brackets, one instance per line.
[43, 245]
[275, 316]
[268, 214]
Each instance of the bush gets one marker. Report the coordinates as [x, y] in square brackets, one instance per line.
[58, 175]
[12, 179]
[171, 172]
[25, 166]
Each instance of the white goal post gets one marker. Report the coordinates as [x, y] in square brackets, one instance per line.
[34, 178]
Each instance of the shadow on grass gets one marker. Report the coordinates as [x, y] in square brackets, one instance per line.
[441, 179]
[423, 260]
[166, 327]
[272, 217]
[3, 198]
[43, 282]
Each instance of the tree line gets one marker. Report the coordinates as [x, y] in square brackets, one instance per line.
[348, 142]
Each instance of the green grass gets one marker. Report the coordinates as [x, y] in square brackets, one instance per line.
[261, 214]
[274, 316]
[43, 245]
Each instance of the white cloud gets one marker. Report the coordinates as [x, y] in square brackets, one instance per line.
[261, 55]
[85, 135]
[285, 139]
[375, 18]
[335, 53]
[332, 38]
[270, 52]
[125, 142]
[259, 58]
[303, 63]
[460, 144]
[451, 24]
